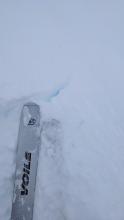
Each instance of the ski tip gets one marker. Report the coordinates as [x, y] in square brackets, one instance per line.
[31, 104]
[31, 114]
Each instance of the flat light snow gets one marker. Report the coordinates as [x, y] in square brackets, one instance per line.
[68, 57]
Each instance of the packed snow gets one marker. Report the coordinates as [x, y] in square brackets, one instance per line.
[68, 57]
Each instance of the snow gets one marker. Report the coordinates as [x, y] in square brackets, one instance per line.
[67, 57]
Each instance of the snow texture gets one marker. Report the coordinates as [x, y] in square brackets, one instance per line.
[68, 57]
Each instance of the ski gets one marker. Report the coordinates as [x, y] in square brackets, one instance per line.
[26, 163]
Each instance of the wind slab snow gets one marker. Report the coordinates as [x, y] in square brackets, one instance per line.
[68, 58]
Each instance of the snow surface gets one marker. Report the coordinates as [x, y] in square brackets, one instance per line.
[67, 56]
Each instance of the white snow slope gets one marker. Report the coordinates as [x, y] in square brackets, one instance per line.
[67, 56]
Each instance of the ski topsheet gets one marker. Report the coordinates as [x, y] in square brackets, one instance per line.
[26, 163]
